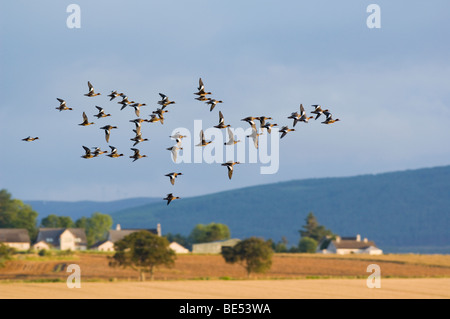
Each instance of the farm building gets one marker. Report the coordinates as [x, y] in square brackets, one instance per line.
[348, 245]
[214, 247]
[17, 238]
[118, 234]
[177, 248]
[61, 238]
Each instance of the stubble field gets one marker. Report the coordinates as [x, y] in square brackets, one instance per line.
[208, 276]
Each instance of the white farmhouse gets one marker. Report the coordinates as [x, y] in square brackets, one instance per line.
[348, 245]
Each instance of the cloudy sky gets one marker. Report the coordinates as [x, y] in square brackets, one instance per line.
[389, 86]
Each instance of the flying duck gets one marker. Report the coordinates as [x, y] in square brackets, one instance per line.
[165, 101]
[170, 198]
[284, 130]
[30, 139]
[318, 110]
[101, 112]
[98, 151]
[172, 177]
[114, 153]
[85, 120]
[88, 153]
[114, 94]
[125, 102]
[230, 165]
[203, 142]
[138, 138]
[262, 121]
[330, 120]
[174, 150]
[136, 154]
[91, 91]
[303, 116]
[255, 136]
[201, 88]
[154, 118]
[269, 126]
[136, 107]
[212, 103]
[107, 129]
[221, 122]
[231, 140]
[251, 120]
[62, 105]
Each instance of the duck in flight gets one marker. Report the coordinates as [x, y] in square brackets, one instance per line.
[231, 140]
[87, 153]
[330, 120]
[98, 151]
[114, 94]
[30, 139]
[284, 130]
[201, 89]
[101, 112]
[203, 142]
[230, 165]
[91, 92]
[269, 126]
[212, 103]
[172, 176]
[137, 107]
[255, 136]
[170, 198]
[138, 138]
[85, 121]
[108, 129]
[165, 101]
[251, 120]
[137, 155]
[221, 122]
[174, 149]
[114, 153]
[62, 105]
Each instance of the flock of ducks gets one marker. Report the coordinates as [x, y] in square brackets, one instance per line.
[158, 116]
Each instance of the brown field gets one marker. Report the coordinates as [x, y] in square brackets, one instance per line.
[208, 276]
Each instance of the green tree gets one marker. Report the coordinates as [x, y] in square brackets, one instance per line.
[280, 246]
[254, 254]
[142, 251]
[96, 227]
[15, 214]
[312, 229]
[208, 233]
[54, 221]
[307, 245]
[5, 254]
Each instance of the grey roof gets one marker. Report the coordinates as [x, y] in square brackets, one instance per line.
[55, 233]
[115, 235]
[14, 235]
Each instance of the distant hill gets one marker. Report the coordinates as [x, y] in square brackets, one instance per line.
[401, 211]
[84, 208]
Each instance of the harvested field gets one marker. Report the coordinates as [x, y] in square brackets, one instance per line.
[190, 267]
[432, 288]
[208, 276]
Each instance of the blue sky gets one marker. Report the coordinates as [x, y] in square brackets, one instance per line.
[389, 86]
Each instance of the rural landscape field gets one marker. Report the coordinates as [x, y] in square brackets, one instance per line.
[208, 276]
